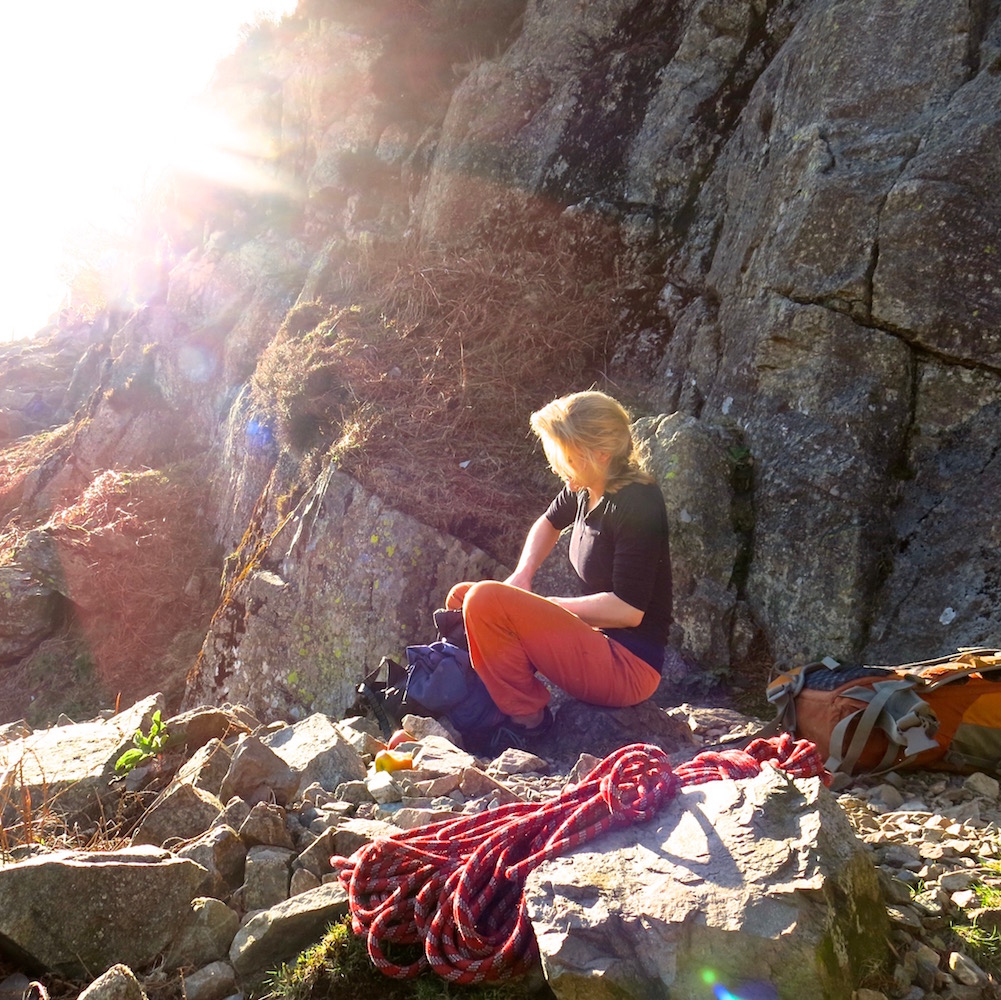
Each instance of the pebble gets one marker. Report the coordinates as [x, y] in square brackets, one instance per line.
[983, 784]
[934, 838]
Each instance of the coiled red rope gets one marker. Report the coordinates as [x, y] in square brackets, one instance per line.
[457, 886]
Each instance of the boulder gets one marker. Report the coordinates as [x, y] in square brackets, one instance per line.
[733, 883]
[29, 611]
[204, 723]
[475, 783]
[278, 934]
[256, 773]
[348, 836]
[11, 731]
[223, 855]
[302, 881]
[207, 767]
[266, 876]
[317, 751]
[101, 908]
[68, 769]
[363, 734]
[266, 825]
[205, 936]
[213, 982]
[315, 858]
[581, 727]
[236, 812]
[181, 811]
[438, 756]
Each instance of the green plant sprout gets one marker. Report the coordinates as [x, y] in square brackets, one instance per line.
[145, 746]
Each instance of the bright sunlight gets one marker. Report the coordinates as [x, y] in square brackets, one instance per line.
[98, 98]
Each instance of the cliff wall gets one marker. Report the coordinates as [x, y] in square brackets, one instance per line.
[771, 226]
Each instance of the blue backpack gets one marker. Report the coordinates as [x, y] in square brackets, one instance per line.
[442, 683]
[438, 680]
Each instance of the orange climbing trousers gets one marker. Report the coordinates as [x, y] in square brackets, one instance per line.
[513, 634]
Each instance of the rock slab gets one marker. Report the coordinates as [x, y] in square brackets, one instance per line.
[737, 883]
[78, 913]
[278, 934]
[68, 769]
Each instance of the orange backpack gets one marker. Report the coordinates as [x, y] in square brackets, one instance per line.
[942, 714]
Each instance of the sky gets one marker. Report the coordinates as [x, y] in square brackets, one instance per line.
[96, 96]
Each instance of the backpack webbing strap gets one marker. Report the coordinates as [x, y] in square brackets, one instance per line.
[893, 707]
[949, 658]
[956, 675]
[782, 692]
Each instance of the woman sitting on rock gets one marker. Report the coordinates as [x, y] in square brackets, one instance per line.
[605, 647]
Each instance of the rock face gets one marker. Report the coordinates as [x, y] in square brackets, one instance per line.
[357, 580]
[803, 221]
[27, 615]
[753, 881]
[285, 928]
[802, 159]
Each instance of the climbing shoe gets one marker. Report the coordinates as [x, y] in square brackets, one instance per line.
[490, 742]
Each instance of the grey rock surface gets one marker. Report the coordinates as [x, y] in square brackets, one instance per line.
[29, 611]
[278, 934]
[257, 772]
[223, 855]
[68, 769]
[759, 880]
[111, 920]
[182, 811]
[204, 936]
[212, 982]
[317, 751]
[349, 589]
[266, 876]
[118, 983]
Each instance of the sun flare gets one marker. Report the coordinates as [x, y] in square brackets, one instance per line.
[100, 99]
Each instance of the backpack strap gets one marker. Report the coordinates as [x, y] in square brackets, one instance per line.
[988, 668]
[962, 651]
[893, 707]
[781, 692]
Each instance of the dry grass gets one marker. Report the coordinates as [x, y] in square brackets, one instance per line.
[419, 372]
[17, 461]
[29, 821]
[130, 548]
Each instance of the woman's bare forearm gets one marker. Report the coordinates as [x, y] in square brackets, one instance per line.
[603, 610]
[540, 541]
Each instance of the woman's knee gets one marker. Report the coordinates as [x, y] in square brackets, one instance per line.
[484, 598]
[456, 596]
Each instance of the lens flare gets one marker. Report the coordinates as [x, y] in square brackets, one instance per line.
[747, 991]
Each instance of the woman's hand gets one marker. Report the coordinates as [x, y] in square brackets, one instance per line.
[521, 578]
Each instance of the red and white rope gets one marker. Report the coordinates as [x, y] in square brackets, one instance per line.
[457, 887]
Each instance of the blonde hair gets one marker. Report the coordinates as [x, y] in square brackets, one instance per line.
[589, 423]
